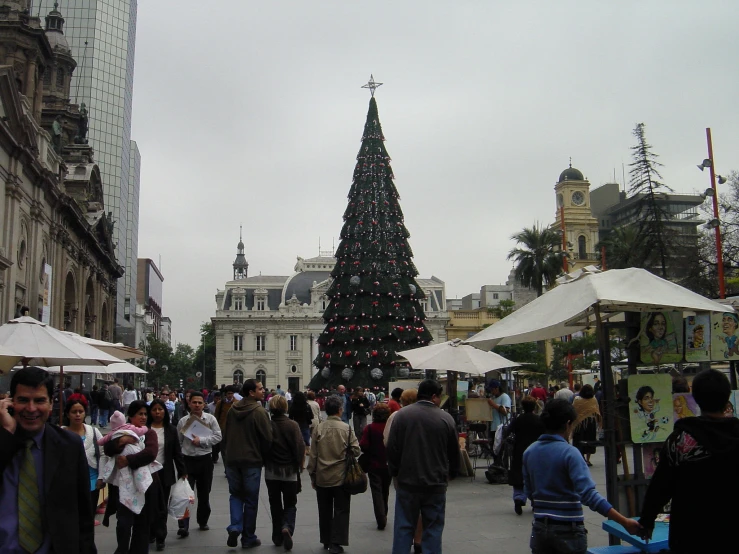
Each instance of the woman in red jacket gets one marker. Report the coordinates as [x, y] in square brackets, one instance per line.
[379, 476]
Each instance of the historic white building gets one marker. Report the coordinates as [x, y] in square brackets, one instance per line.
[266, 326]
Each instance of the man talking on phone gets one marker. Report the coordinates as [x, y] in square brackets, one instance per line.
[45, 501]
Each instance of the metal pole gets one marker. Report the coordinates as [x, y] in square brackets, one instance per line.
[719, 250]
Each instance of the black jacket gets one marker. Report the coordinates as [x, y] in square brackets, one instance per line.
[172, 458]
[67, 512]
[423, 448]
[527, 428]
[698, 470]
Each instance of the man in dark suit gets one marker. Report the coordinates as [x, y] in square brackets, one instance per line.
[45, 501]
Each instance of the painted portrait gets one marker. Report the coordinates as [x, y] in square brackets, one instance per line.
[650, 407]
[650, 458]
[661, 337]
[698, 338]
[684, 405]
[725, 336]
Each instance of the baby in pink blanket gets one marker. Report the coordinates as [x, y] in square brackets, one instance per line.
[118, 424]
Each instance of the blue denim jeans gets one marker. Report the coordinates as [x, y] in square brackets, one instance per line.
[93, 414]
[407, 507]
[550, 537]
[519, 495]
[243, 486]
[103, 415]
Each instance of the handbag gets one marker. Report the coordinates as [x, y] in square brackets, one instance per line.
[355, 480]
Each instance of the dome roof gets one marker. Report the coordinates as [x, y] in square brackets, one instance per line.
[571, 174]
[58, 41]
[300, 284]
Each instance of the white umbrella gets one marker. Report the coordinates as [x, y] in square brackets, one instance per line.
[112, 369]
[42, 345]
[455, 356]
[571, 306]
[119, 350]
[8, 359]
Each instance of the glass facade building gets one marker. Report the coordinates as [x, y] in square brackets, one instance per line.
[102, 34]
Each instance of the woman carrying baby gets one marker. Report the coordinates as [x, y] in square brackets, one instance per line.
[132, 529]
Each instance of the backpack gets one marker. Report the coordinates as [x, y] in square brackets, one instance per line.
[372, 400]
[108, 395]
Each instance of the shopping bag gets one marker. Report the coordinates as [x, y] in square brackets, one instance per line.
[180, 499]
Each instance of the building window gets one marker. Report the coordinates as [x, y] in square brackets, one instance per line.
[238, 376]
[262, 377]
[495, 296]
[261, 343]
[294, 369]
[238, 304]
[582, 249]
[293, 342]
[425, 305]
[324, 302]
[260, 303]
[59, 78]
[238, 342]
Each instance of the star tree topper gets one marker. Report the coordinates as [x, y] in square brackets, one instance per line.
[372, 85]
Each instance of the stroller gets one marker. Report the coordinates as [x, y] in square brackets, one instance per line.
[497, 472]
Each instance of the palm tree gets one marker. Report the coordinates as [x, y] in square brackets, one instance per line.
[624, 248]
[538, 257]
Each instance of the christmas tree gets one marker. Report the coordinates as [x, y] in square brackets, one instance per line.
[374, 305]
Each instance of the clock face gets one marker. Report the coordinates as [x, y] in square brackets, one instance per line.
[578, 198]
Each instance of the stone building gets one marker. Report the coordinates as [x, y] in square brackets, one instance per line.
[266, 326]
[580, 226]
[57, 255]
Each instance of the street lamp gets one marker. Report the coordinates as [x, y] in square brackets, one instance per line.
[715, 223]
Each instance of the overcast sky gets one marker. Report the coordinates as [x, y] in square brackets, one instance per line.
[252, 113]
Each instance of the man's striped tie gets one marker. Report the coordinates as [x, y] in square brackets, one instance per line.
[30, 533]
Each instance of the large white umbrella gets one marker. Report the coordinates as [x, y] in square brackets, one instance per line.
[42, 345]
[119, 350]
[8, 358]
[571, 306]
[112, 369]
[454, 355]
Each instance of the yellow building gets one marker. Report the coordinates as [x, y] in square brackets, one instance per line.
[581, 228]
[465, 323]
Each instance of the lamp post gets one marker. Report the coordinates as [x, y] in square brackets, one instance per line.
[716, 222]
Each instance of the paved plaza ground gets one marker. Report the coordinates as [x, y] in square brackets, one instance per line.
[479, 518]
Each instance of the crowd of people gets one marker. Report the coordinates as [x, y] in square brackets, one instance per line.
[138, 444]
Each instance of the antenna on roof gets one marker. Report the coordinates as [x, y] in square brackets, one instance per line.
[81, 73]
[623, 175]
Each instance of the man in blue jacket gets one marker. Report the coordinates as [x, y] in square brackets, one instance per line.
[558, 482]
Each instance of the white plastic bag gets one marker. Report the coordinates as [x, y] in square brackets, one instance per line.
[498, 442]
[180, 499]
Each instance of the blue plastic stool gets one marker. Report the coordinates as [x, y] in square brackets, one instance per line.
[615, 549]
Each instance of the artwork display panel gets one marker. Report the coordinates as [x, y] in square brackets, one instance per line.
[698, 338]
[724, 336]
[661, 337]
[684, 405]
[650, 409]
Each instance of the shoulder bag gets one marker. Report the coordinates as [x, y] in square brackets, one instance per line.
[355, 480]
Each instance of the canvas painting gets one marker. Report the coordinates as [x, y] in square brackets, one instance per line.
[661, 337]
[684, 405]
[650, 408]
[650, 458]
[724, 336]
[698, 338]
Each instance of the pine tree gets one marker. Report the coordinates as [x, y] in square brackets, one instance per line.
[654, 235]
[374, 305]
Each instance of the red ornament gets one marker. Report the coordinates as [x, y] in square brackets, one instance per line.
[327, 355]
[401, 328]
[348, 353]
[374, 352]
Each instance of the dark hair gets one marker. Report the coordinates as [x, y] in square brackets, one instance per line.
[680, 384]
[333, 405]
[642, 392]
[380, 413]
[428, 388]
[135, 407]
[396, 393]
[32, 377]
[557, 414]
[310, 395]
[650, 322]
[72, 401]
[197, 393]
[587, 392]
[248, 386]
[528, 403]
[157, 402]
[299, 404]
[711, 390]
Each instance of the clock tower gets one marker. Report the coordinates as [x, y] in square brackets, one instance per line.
[572, 193]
